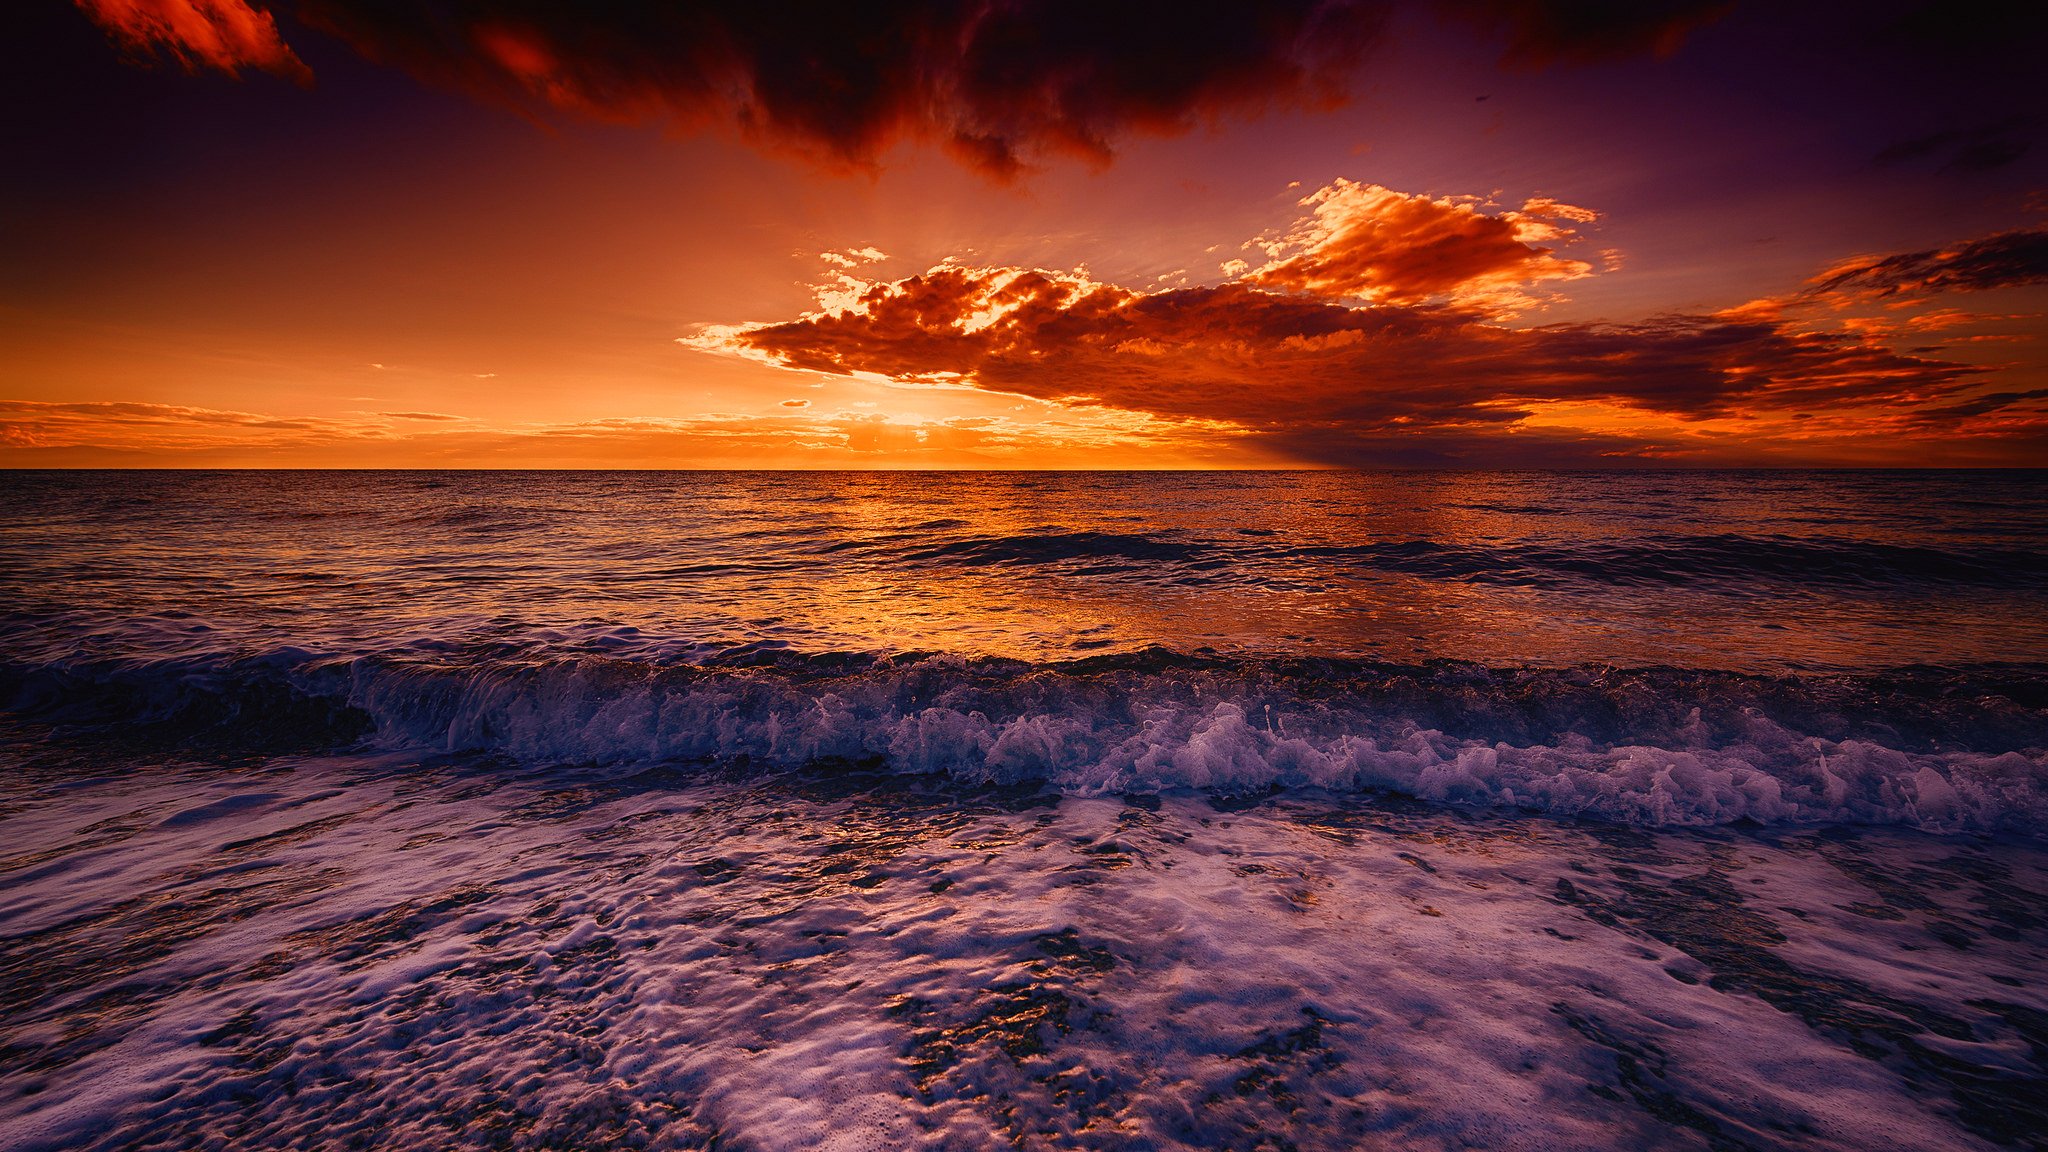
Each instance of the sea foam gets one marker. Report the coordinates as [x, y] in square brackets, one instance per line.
[1934, 749]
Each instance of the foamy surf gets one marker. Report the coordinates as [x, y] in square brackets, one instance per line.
[328, 952]
[1940, 750]
[1224, 812]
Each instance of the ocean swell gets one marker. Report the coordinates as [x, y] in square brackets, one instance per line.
[1727, 563]
[1943, 750]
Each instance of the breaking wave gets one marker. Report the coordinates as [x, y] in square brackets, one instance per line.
[1950, 750]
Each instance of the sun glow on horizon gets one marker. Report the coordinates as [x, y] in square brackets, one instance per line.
[1403, 270]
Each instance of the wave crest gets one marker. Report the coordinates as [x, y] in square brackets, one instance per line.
[1944, 750]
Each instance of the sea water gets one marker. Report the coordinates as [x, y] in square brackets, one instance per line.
[790, 810]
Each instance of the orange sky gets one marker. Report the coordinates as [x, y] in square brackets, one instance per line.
[1353, 235]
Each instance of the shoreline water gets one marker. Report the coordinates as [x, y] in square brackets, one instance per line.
[318, 950]
[1503, 811]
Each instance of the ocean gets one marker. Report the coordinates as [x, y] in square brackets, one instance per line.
[1689, 809]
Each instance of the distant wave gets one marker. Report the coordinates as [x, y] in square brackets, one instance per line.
[1728, 562]
[1057, 546]
[1940, 749]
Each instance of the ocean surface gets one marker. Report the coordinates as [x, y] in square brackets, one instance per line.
[958, 810]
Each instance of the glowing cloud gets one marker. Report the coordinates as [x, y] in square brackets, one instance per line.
[1374, 244]
[1418, 375]
[228, 35]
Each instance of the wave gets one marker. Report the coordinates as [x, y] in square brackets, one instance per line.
[1052, 547]
[1726, 562]
[1952, 750]
[1731, 562]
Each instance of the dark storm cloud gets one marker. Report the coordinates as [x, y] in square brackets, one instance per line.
[996, 82]
[1588, 31]
[2005, 260]
[1980, 149]
[1967, 32]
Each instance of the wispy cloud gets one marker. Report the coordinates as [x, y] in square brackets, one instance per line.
[2007, 260]
[116, 433]
[228, 35]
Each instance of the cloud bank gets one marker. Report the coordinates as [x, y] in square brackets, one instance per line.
[1376, 335]
[996, 82]
[1000, 84]
[123, 434]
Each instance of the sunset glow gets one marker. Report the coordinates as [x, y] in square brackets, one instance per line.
[1312, 234]
[1024, 575]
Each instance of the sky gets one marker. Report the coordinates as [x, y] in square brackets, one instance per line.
[1022, 234]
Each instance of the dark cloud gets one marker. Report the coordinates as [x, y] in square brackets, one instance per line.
[1322, 380]
[1350, 447]
[2005, 260]
[1987, 404]
[997, 82]
[1588, 31]
[1967, 33]
[1982, 148]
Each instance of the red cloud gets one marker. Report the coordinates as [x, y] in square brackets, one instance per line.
[1239, 354]
[1319, 379]
[224, 34]
[1386, 247]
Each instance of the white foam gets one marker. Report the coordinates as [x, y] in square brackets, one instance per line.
[1325, 971]
[1160, 733]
